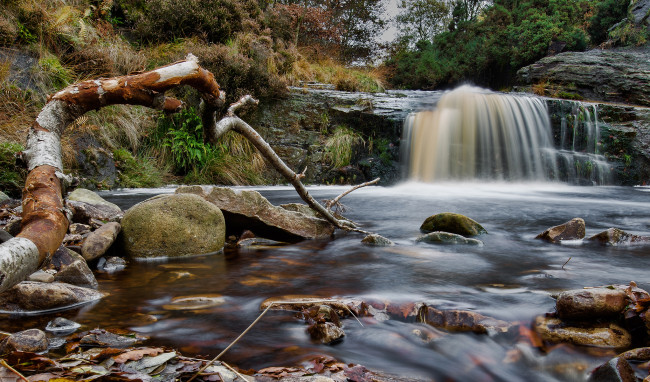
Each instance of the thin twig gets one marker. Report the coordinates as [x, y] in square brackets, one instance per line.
[231, 344]
[336, 200]
[234, 371]
[5, 364]
[566, 262]
[5, 334]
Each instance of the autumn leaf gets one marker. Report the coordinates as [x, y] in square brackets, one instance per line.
[137, 354]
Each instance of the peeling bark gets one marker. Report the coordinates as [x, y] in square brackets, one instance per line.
[44, 220]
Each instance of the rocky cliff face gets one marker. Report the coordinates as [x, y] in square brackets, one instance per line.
[618, 75]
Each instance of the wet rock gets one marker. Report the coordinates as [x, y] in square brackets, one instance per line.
[453, 223]
[440, 237]
[603, 335]
[591, 303]
[377, 241]
[4, 236]
[173, 226]
[326, 332]
[92, 215]
[195, 302]
[99, 241]
[90, 197]
[258, 242]
[615, 370]
[4, 198]
[249, 210]
[638, 354]
[42, 276]
[462, 321]
[72, 268]
[79, 229]
[574, 229]
[302, 208]
[615, 236]
[29, 296]
[102, 337]
[62, 326]
[112, 264]
[31, 340]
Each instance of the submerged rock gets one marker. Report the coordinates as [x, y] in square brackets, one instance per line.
[99, 241]
[31, 341]
[112, 264]
[604, 335]
[615, 236]
[173, 226]
[591, 303]
[249, 210]
[62, 326]
[30, 296]
[462, 321]
[574, 229]
[377, 241]
[453, 223]
[440, 237]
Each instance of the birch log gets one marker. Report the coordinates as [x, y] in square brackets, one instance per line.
[44, 220]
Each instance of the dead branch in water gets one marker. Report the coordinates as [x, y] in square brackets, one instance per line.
[336, 201]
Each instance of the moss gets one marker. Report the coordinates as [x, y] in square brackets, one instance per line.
[12, 178]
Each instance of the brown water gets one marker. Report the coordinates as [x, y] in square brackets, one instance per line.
[510, 278]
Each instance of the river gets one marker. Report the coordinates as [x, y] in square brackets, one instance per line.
[511, 277]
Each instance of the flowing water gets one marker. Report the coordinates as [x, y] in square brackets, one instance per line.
[474, 133]
[511, 277]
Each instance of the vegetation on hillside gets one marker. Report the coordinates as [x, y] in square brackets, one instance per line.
[487, 42]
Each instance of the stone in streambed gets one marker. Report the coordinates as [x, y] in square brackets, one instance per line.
[615, 236]
[325, 332]
[71, 268]
[99, 241]
[574, 229]
[377, 241]
[173, 226]
[62, 326]
[607, 335]
[591, 303]
[31, 341]
[452, 223]
[440, 237]
[249, 210]
[29, 296]
[615, 370]
[462, 321]
[90, 197]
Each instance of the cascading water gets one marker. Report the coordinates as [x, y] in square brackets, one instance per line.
[475, 133]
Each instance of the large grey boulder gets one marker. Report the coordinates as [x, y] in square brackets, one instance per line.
[249, 210]
[173, 226]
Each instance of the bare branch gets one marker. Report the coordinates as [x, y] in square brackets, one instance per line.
[335, 201]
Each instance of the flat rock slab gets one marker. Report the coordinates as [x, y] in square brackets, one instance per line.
[591, 303]
[249, 210]
[605, 335]
[35, 297]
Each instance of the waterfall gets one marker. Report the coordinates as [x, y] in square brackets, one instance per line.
[477, 134]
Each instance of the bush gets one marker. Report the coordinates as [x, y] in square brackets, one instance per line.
[12, 178]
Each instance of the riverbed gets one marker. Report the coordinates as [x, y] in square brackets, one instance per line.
[512, 277]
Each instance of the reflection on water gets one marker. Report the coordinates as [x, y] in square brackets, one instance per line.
[510, 278]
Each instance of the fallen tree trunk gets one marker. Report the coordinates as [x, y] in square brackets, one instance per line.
[44, 219]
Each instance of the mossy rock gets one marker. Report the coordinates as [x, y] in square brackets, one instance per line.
[173, 226]
[452, 223]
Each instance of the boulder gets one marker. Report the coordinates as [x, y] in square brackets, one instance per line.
[462, 321]
[71, 268]
[439, 237]
[325, 332]
[249, 210]
[615, 370]
[453, 223]
[4, 198]
[574, 229]
[615, 236]
[173, 226]
[591, 303]
[99, 241]
[31, 341]
[29, 297]
[92, 215]
[608, 335]
[90, 197]
[377, 241]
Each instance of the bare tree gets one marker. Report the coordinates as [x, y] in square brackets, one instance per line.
[44, 217]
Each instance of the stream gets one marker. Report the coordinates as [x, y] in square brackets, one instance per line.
[512, 278]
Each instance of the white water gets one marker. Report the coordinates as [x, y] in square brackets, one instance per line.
[477, 134]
